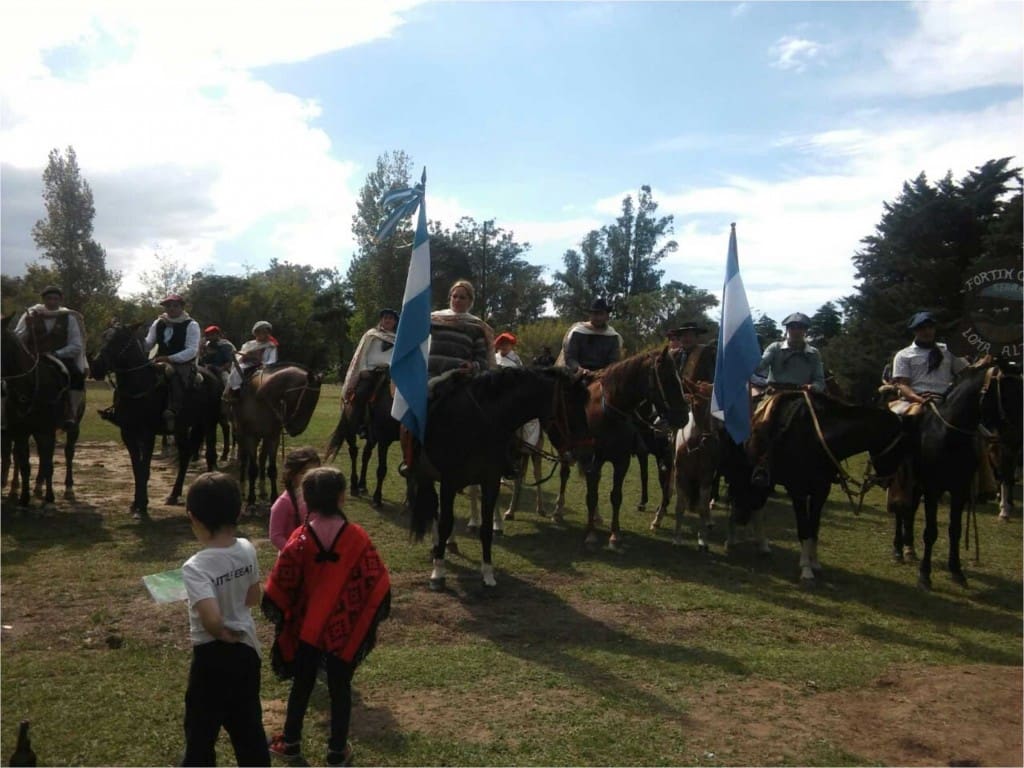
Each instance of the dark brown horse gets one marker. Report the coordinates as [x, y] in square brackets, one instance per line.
[944, 456]
[617, 396]
[142, 392]
[469, 427]
[381, 432]
[276, 398]
[33, 391]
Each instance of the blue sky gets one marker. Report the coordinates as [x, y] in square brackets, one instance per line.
[222, 136]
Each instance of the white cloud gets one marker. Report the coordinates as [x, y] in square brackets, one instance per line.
[740, 9]
[159, 98]
[795, 53]
[957, 46]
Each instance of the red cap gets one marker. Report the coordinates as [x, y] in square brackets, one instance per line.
[511, 339]
[172, 297]
[211, 329]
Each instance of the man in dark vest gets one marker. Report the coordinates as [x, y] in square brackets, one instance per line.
[591, 346]
[176, 338]
[52, 329]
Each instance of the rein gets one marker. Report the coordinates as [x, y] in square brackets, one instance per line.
[845, 479]
[639, 420]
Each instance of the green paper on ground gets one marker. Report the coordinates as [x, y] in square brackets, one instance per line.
[166, 587]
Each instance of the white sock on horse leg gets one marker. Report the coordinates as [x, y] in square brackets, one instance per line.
[487, 572]
[438, 570]
[806, 548]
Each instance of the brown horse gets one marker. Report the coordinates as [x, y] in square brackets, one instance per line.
[279, 397]
[616, 396]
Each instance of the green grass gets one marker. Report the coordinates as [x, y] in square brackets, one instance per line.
[577, 658]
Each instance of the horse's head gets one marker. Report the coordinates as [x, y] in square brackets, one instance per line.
[1002, 398]
[121, 348]
[891, 443]
[300, 394]
[566, 425]
[667, 390]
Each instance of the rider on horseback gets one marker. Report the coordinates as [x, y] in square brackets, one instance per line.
[591, 346]
[791, 364]
[695, 367]
[176, 338]
[459, 342]
[54, 330]
[257, 352]
[218, 353]
[373, 352]
[924, 370]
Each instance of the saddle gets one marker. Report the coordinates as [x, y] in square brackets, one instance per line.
[195, 381]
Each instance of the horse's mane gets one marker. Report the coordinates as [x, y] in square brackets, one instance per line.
[625, 370]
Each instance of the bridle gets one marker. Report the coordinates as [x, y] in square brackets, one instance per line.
[655, 385]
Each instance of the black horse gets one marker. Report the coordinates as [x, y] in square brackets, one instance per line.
[34, 391]
[381, 432]
[944, 456]
[469, 427]
[142, 391]
[807, 447]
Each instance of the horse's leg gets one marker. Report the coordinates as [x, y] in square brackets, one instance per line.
[641, 459]
[805, 533]
[382, 472]
[445, 525]
[558, 515]
[535, 460]
[666, 480]
[185, 440]
[353, 457]
[473, 494]
[70, 442]
[931, 533]
[517, 487]
[816, 506]
[957, 502]
[146, 444]
[489, 489]
[593, 477]
[262, 466]
[681, 499]
[368, 447]
[272, 445]
[619, 469]
[23, 468]
[46, 445]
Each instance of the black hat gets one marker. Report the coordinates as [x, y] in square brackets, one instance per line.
[921, 318]
[600, 305]
[388, 311]
[51, 289]
[698, 329]
[797, 318]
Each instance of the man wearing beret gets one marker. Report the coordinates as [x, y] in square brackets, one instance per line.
[591, 346]
[218, 353]
[176, 338]
[790, 364]
[924, 370]
[53, 329]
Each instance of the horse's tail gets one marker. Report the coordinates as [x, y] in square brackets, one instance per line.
[338, 437]
[424, 508]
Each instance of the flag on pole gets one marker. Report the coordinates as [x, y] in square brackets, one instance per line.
[412, 340]
[738, 352]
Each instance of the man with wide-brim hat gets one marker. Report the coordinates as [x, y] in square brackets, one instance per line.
[787, 365]
[50, 328]
[591, 346]
[176, 338]
[373, 352]
[257, 352]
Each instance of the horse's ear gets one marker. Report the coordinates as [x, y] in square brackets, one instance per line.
[137, 328]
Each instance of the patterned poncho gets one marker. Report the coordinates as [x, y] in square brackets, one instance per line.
[332, 597]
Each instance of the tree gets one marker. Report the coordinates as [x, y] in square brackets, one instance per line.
[509, 290]
[826, 324]
[767, 330]
[168, 276]
[925, 246]
[643, 319]
[65, 238]
[618, 261]
[377, 273]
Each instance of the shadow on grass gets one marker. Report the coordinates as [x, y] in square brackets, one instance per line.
[159, 538]
[34, 531]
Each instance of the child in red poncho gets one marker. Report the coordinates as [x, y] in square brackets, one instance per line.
[326, 594]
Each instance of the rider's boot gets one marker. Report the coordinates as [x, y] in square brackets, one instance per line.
[74, 402]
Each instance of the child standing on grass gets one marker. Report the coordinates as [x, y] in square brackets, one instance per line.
[326, 594]
[288, 512]
[223, 584]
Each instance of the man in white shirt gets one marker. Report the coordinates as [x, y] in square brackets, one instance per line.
[924, 370]
[374, 351]
[176, 338]
[257, 352]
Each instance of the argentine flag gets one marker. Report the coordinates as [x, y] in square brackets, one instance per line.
[738, 352]
[412, 340]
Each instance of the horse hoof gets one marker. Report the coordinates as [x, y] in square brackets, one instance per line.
[959, 578]
[38, 493]
[140, 515]
[69, 495]
[510, 515]
[764, 554]
[641, 507]
[598, 520]
[808, 583]
[437, 585]
[558, 518]
[376, 504]
[909, 554]
[711, 526]
[172, 501]
[498, 533]
[615, 545]
[453, 547]
[925, 583]
[472, 529]
[1004, 517]
[897, 556]
[702, 547]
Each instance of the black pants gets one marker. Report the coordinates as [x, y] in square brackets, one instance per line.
[339, 684]
[224, 690]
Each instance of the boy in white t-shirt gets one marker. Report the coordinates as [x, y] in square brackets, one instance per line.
[223, 583]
